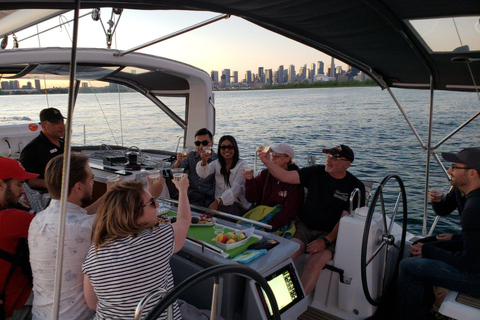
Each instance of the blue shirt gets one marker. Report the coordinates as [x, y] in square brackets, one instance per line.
[206, 185]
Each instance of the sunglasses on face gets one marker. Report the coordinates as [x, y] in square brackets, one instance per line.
[335, 158]
[204, 142]
[455, 167]
[226, 147]
[151, 202]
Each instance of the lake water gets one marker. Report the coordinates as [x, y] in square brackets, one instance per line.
[366, 119]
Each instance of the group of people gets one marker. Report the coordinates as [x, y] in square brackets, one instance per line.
[112, 245]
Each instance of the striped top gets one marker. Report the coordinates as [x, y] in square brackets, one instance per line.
[123, 272]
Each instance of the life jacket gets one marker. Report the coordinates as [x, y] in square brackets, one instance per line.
[18, 259]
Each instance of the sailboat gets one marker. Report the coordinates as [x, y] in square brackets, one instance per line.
[396, 43]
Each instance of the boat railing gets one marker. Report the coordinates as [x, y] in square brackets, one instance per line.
[352, 197]
[221, 214]
[141, 305]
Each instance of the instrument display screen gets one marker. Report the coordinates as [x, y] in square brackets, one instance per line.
[286, 288]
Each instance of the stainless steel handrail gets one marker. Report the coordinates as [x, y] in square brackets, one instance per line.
[205, 245]
[221, 214]
[144, 301]
[352, 196]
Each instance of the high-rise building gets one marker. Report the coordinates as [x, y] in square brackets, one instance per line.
[214, 76]
[37, 84]
[268, 76]
[280, 74]
[5, 85]
[226, 73]
[312, 74]
[320, 67]
[291, 74]
[261, 75]
[235, 76]
[302, 73]
[223, 80]
[248, 76]
[332, 69]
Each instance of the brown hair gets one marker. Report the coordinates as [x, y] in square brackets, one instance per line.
[54, 169]
[118, 214]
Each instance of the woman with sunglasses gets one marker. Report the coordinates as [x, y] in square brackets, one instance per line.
[265, 189]
[229, 181]
[130, 254]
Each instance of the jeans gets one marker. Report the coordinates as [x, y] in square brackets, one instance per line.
[416, 277]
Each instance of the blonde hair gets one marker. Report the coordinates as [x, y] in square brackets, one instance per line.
[118, 214]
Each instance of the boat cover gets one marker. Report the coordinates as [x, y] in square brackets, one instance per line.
[371, 35]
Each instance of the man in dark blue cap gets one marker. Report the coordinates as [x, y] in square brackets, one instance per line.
[455, 269]
[49, 143]
[329, 188]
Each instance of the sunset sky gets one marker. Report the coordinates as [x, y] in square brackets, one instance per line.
[233, 43]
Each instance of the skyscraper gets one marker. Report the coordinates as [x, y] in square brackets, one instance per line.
[280, 74]
[311, 76]
[248, 76]
[261, 75]
[214, 76]
[332, 69]
[235, 76]
[291, 74]
[320, 68]
[268, 76]
[226, 73]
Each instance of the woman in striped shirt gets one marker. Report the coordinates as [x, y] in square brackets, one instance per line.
[131, 252]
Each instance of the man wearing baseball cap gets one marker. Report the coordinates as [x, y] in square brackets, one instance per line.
[329, 188]
[15, 277]
[47, 145]
[456, 269]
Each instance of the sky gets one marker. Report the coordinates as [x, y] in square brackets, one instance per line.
[232, 43]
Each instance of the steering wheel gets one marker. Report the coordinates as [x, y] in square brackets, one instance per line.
[384, 241]
[215, 272]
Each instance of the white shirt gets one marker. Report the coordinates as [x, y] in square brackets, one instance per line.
[42, 242]
[229, 194]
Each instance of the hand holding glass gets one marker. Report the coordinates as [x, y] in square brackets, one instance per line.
[153, 174]
[113, 178]
[177, 174]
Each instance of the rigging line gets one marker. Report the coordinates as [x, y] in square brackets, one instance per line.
[66, 30]
[104, 116]
[44, 77]
[33, 35]
[458, 34]
[119, 99]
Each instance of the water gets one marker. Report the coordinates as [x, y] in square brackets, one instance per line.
[366, 119]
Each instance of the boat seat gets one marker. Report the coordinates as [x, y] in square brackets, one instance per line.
[460, 306]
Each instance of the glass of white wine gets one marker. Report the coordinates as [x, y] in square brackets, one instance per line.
[177, 174]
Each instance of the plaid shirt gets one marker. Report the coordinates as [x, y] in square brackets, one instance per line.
[196, 183]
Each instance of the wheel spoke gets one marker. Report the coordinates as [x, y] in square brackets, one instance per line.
[396, 247]
[384, 216]
[395, 210]
[375, 253]
[384, 272]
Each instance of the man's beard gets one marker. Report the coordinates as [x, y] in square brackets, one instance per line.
[86, 199]
[11, 199]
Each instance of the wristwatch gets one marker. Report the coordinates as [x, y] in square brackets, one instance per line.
[327, 242]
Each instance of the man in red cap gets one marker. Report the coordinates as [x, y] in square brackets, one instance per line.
[15, 277]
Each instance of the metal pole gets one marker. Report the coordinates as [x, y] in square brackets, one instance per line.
[66, 170]
[429, 145]
[174, 34]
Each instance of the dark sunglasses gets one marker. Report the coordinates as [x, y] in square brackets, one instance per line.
[227, 147]
[454, 167]
[151, 202]
[204, 142]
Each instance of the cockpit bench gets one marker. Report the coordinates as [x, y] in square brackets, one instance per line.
[460, 306]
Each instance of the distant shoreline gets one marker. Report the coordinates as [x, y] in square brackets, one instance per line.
[319, 84]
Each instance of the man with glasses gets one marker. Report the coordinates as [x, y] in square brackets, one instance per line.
[329, 188]
[43, 238]
[455, 269]
[201, 191]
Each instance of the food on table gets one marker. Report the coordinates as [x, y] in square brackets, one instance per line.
[231, 237]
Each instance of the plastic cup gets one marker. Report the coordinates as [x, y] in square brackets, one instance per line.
[113, 178]
[185, 152]
[218, 229]
[208, 150]
[153, 174]
[177, 174]
[437, 195]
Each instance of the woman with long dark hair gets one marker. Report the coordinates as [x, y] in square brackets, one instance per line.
[229, 181]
